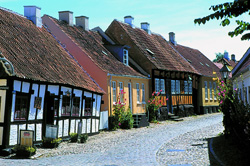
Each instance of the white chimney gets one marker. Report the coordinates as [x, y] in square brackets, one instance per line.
[83, 22]
[66, 16]
[129, 20]
[146, 26]
[172, 38]
[33, 13]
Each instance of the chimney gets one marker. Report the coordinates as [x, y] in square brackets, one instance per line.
[83, 22]
[66, 16]
[226, 56]
[33, 13]
[146, 26]
[129, 20]
[233, 58]
[172, 38]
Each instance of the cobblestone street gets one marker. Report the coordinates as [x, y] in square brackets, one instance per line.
[168, 143]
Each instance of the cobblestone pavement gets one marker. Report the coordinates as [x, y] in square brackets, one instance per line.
[143, 146]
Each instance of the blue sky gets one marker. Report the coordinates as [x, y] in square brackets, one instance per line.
[164, 16]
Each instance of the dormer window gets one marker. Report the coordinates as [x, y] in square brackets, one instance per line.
[125, 57]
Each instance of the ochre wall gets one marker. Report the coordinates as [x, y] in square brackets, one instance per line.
[210, 101]
[137, 108]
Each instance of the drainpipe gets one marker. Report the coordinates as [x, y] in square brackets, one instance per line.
[110, 103]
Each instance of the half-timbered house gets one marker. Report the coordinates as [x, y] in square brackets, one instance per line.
[41, 83]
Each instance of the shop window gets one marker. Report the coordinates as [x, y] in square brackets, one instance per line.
[21, 107]
[157, 85]
[177, 86]
[66, 105]
[173, 86]
[162, 85]
[76, 106]
[88, 106]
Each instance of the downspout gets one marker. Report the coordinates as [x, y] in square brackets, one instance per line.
[110, 103]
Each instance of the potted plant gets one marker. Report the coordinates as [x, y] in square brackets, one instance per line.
[51, 142]
[24, 150]
[83, 138]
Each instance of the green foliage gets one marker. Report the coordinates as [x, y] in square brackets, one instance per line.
[154, 103]
[83, 138]
[228, 11]
[219, 56]
[51, 142]
[73, 137]
[24, 151]
[122, 118]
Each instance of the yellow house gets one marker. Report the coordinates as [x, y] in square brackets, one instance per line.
[135, 96]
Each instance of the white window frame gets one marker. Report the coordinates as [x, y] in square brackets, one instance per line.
[206, 90]
[211, 90]
[138, 92]
[121, 95]
[125, 57]
[157, 85]
[143, 92]
[162, 86]
[114, 91]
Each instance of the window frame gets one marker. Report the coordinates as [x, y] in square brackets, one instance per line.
[76, 113]
[67, 111]
[27, 104]
[206, 90]
[125, 57]
[138, 92]
[120, 90]
[210, 92]
[143, 92]
[114, 91]
[157, 85]
[88, 111]
[162, 86]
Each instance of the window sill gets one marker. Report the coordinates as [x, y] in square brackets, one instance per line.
[206, 99]
[139, 102]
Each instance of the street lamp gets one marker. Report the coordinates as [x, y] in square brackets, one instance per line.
[225, 72]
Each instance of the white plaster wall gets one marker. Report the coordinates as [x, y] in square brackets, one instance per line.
[42, 95]
[93, 125]
[60, 131]
[84, 124]
[32, 112]
[66, 128]
[1, 135]
[13, 135]
[72, 126]
[97, 125]
[38, 132]
[88, 125]
[98, 105]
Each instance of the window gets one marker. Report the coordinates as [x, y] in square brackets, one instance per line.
[206, 92]
[162, 85]
[215, 91]
[177, 86]
[157, 85]
[66, 105]
[88, 104]
[210, 92]
[173, 86]
[76, 106]
[121, 91]
[125, 57]
[138, 92]
[21, 107]
[143, 92]
[114, 91]
[185, 87]
[56, 105]
[190, 87]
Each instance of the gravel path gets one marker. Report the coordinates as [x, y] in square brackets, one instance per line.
[143, 146]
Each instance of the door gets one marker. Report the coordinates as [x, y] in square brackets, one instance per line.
[52, 109]
[130, 97]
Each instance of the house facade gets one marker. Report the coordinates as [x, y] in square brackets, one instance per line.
[241, 77]
[170, 72]
[207, 88]
[113, 75]
[41, 84]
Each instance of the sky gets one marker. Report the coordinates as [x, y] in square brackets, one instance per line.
[164, 16]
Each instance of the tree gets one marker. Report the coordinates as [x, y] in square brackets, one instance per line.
[226, 12]
[219, 56]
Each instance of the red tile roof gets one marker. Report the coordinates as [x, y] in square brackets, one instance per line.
[36, 55]
[91, 43]
[164, 57]
[198, 60]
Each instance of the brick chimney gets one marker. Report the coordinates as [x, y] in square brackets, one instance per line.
[172, 38]
[66, 16]
[129, 20]
[33, 13]
[83, 22]
[146, 26]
